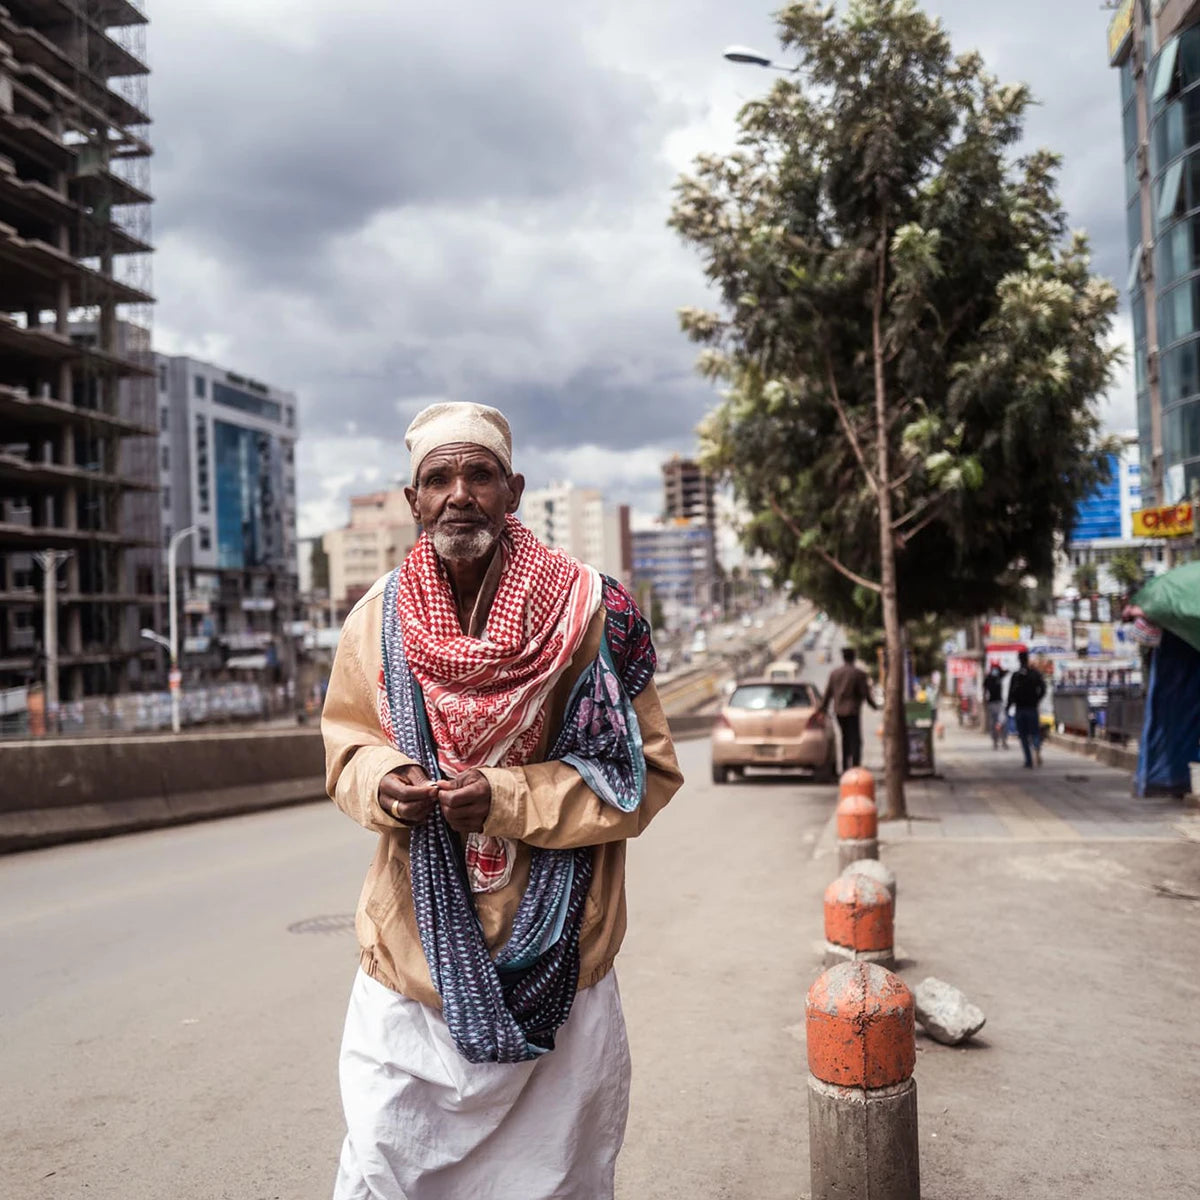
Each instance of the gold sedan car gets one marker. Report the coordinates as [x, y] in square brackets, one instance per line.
[773, 723]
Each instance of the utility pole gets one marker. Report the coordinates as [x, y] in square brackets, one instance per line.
[49, 561]
[175, 679]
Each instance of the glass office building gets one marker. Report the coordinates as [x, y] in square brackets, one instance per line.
[1158, 57]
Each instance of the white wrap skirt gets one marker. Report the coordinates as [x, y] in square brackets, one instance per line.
[425, 1124]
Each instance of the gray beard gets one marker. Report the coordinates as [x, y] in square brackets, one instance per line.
[467, 546]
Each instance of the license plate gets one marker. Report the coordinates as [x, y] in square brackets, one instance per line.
[769, 751]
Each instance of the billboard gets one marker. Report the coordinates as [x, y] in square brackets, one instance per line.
[1120, 31]
[1174, 520]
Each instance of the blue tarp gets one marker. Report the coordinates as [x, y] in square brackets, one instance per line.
[1171, 732]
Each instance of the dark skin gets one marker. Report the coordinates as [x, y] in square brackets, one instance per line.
[460, 490]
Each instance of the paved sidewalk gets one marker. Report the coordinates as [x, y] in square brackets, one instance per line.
[988, 793]
[1069, 911]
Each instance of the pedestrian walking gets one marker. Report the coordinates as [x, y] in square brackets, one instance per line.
[993, 694]
[848, 689]
[492, 716]
[1025, 691]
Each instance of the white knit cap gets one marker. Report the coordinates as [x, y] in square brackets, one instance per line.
[460, 422]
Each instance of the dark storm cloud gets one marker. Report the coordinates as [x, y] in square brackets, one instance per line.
[379, 205]
[271, 148]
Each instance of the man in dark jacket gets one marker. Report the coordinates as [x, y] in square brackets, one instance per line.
[993, 693]
[1025, 692]
[848, 689]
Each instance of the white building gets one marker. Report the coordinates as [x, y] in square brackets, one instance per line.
[577, 520]
[380, 534]
[227, 466]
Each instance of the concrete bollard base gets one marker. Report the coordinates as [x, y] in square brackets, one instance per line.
[863, 1142]
[835, 954]
[852, 849]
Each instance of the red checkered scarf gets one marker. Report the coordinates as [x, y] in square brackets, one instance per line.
[485, 699]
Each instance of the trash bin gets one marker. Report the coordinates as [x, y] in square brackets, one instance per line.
[918, 737]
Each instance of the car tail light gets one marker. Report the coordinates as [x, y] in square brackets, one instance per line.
[816, 721]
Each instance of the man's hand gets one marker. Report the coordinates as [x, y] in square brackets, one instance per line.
[408, 795]
[466, 801]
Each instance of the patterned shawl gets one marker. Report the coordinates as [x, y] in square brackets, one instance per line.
[509, 1009]
[484, 698]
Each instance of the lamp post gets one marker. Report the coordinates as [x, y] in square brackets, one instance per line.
[747, 56]
[175, 680]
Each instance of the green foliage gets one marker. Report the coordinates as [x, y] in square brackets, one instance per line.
[1125, 567]
[1084, 578]
[883, 190]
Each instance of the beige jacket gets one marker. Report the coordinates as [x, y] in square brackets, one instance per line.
[543, 804]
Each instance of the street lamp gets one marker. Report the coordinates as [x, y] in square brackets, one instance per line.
[745, 55]
[175, 680]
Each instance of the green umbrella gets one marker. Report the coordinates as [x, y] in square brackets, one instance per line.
[1172, 600]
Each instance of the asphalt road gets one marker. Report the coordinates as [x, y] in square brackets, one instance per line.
[171, 1002]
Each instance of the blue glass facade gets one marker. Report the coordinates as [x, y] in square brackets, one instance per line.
[1173, 82]
[1099, 516]
[674, 560]
[248, 474]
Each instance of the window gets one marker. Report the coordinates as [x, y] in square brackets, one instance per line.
[167, 534]
[1133, 221]
[166, 458]
[205, 538]
[202, 494]
[166, 495]
[1170, 196]
[1166, 78]
[1181, 433]
[1180, 373]
[162, 377]
[201, 386]
[1178, 252]
[236, 398]
[289, 416]
[1177, 310]
[164, 416]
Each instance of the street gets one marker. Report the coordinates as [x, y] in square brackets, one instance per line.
[167, 1035]
[172, 1001]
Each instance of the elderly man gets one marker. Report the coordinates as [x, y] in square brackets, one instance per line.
[491, 715]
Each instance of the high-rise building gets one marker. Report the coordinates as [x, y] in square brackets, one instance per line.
[578, 521]
[674, 561]
[381, 532]
[227, 466]
[1157, 52]
[688, 492]
[76, 377]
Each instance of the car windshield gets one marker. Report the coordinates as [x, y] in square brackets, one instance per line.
[772, 695]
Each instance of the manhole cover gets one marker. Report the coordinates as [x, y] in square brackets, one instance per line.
[341, 923]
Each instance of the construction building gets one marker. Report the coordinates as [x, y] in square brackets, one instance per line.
[227, 470]
[1156, 49]
[78, 479]
[380, 534]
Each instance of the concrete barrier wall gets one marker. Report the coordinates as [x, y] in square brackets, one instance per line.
[73, 789]
[68, 789]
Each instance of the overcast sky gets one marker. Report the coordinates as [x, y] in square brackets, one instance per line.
[380, 204]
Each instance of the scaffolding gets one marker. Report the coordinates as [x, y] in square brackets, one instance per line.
[80, 202]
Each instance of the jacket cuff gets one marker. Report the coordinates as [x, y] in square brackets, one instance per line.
[381, 761]
[506, 817]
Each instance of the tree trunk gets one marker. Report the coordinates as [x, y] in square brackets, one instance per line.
[895, 750]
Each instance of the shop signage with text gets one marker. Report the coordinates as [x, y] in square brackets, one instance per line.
[1175, 520]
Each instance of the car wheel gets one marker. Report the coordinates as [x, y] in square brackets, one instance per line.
[720, 774]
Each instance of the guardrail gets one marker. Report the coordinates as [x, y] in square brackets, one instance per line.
[689, 691]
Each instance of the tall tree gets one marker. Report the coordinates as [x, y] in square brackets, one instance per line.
[910, 348]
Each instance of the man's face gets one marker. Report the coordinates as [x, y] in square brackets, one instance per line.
[461, 500]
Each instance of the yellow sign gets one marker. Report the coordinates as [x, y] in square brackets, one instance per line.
[1120, 28]
[1176, 520]
[1001, 632]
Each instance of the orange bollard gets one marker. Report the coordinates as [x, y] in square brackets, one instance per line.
[857, 781]
[857, 830]
[859, 923]
[862, 1099]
